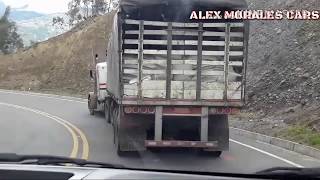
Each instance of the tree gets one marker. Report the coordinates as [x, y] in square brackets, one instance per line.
[81, 10]
[99, 7]
[86, 7]
[73, 12]
[10, 40]
[114, 4]
[58, 22]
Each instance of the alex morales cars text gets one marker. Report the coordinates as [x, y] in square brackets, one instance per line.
[257, 15]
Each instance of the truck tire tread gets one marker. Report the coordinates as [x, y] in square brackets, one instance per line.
[107, 112]
[91, 111]
[215, 154]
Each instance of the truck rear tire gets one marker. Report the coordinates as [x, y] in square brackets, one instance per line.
[107, 111]
[120, 153]
[114, 114]
[91, 103]
[215, 154]
[91, 111]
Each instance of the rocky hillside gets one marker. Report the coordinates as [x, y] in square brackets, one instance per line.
[60, 64]
[284, 59]
[283, 75]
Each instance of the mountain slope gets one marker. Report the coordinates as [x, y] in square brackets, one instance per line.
[19, 15]
[60, 64]
[39, 28]
[33, 26]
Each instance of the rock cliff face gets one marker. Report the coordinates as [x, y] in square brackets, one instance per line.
[283, 71]
[284, 59]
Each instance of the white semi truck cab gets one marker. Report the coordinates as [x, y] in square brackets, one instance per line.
[96, 99]
[101, 76]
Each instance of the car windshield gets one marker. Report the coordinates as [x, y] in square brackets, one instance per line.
[195, 85]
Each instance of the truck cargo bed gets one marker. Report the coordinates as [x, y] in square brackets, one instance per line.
[206, 61]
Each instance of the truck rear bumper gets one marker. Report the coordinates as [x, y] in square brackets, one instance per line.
[187, 144]
[144, 127]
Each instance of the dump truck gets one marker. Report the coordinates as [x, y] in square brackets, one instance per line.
[172, 81]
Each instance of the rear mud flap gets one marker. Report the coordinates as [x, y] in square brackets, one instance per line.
[132, 134]
[131, 140]
[218, 130]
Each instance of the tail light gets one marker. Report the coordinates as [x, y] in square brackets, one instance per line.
[222, 110]
[139, 110]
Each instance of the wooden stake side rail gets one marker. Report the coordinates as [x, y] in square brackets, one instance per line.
[163, 62]
[184, 33]
[176, 24]
[209, 68]
[183, 42]
[184, 52]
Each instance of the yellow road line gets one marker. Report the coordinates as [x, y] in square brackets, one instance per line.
[69, 126]
[75, 140]
[85, 143]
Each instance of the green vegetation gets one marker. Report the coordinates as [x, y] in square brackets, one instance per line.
[301, 134]
[10, 40]
[81, 10]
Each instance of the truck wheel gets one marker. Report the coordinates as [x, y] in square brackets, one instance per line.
[119, 152]
[107, 112]
[215, 154]
[117, 144]
[91, 103]
[115, 116]
[91, 111]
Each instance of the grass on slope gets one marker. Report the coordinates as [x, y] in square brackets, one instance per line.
[301, 134]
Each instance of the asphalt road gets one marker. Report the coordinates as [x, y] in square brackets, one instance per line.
[45, 124]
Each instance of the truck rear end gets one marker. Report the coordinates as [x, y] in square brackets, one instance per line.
[175, 81]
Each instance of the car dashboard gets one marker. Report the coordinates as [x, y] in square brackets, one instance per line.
[10, 171]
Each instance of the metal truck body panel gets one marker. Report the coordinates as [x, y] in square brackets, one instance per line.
[114, 60]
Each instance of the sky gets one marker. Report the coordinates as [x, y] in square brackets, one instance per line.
[42, 6]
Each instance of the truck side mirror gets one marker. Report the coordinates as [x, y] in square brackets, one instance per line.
[91, 75]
